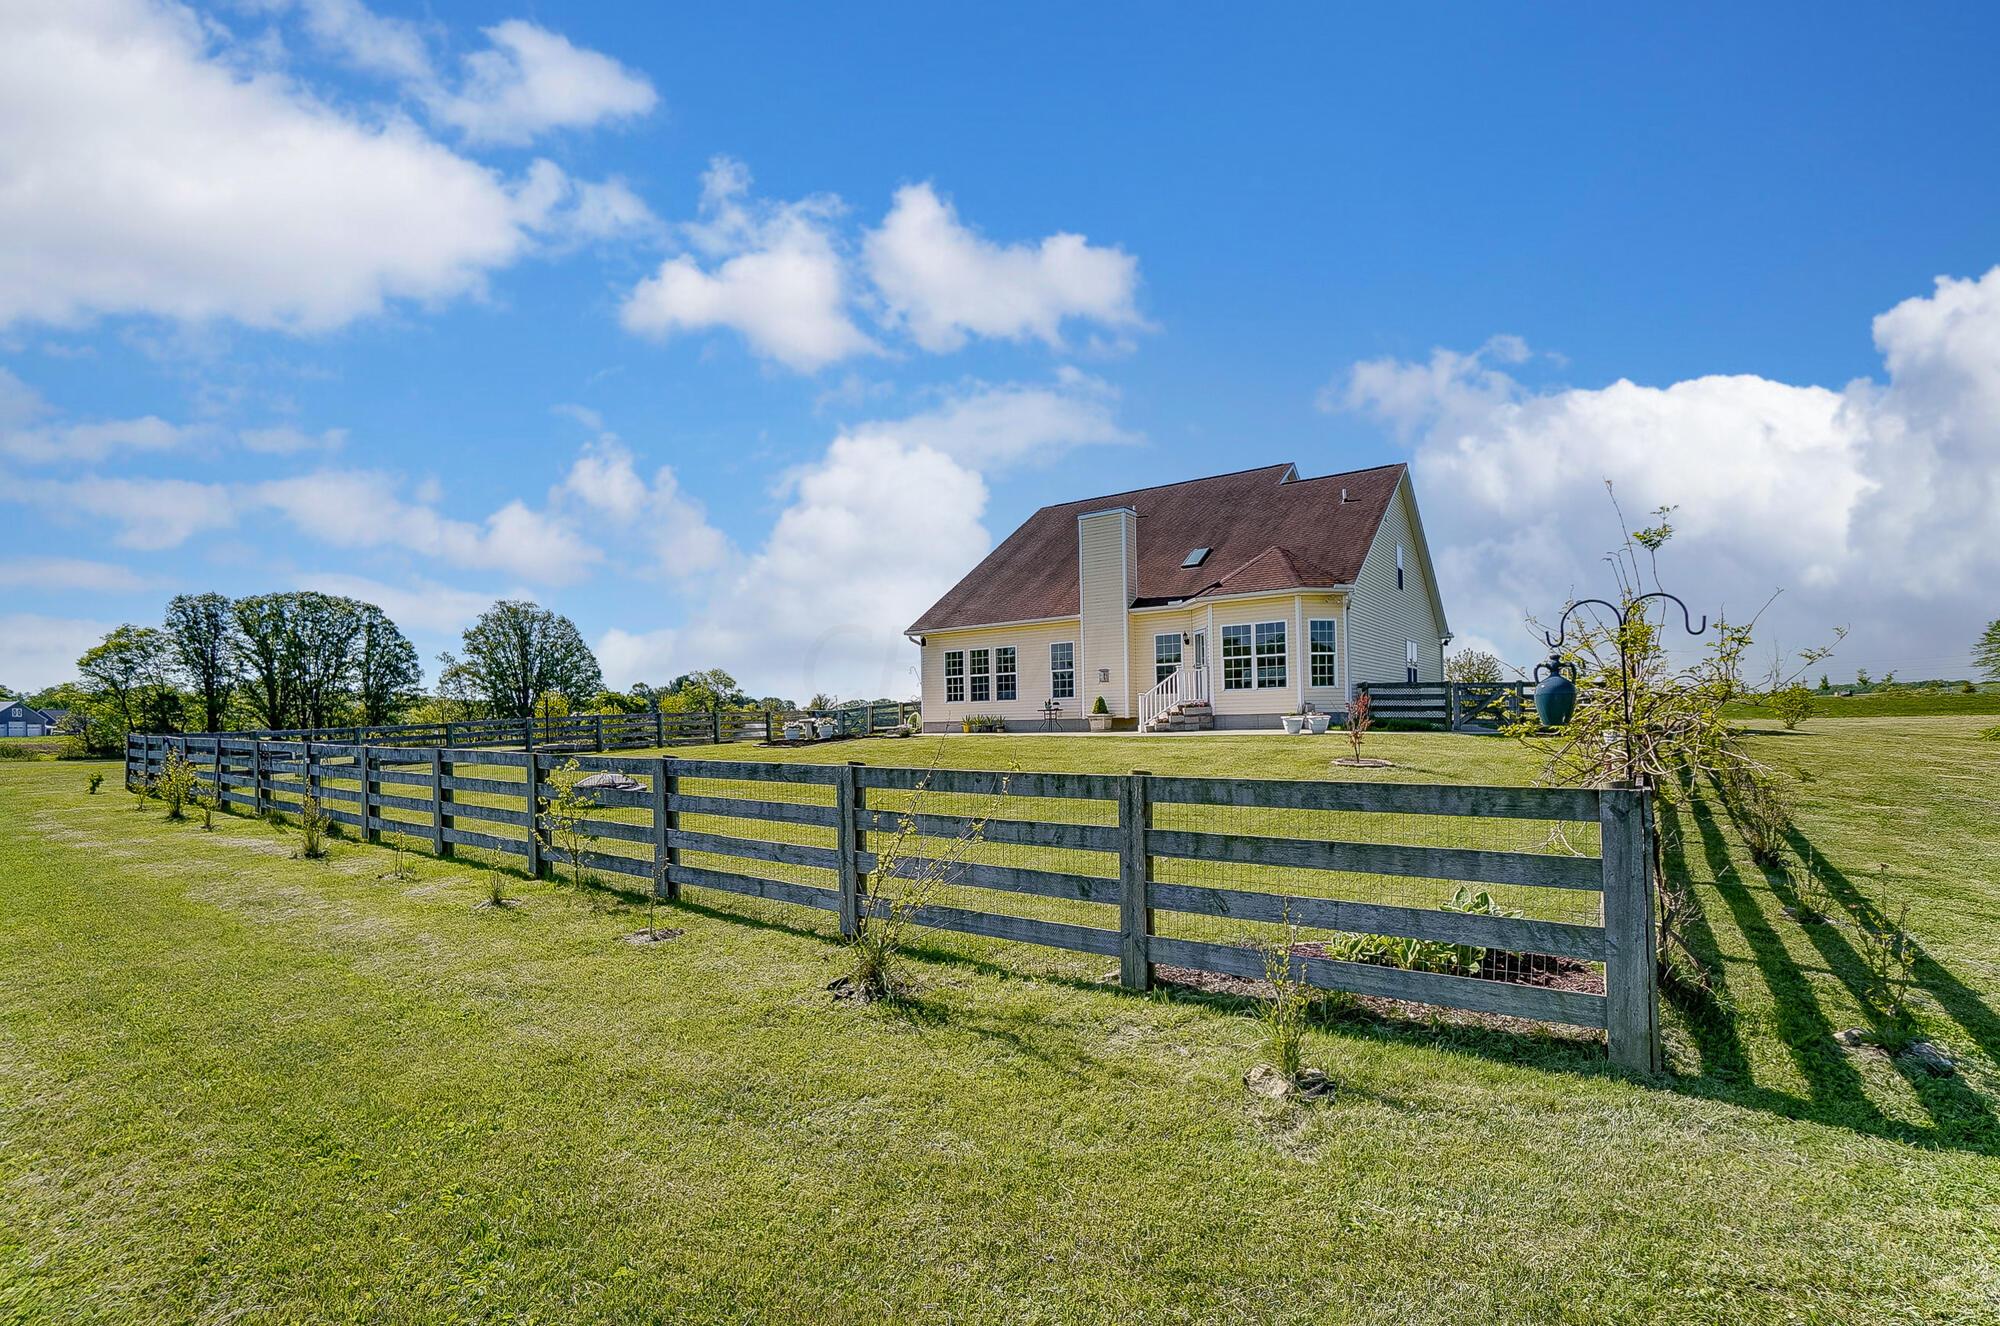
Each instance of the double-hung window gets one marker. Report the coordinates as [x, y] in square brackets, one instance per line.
[1325, 670]
[1062, 671]
[1270, 654]
[954, 677]
[1006, 684]
[1236, 667]
[982, 675]
[1166, 655]
[1410, 661]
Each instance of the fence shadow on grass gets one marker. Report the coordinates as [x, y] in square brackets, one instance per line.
[1836, 1091]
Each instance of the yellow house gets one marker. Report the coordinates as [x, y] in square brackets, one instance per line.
[1227, 602]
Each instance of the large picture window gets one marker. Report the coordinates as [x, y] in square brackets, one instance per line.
[1270, 654]
[954, 677]
[1166, 655]
[1325, 661]
[1236, 662]
[1062, 671]
[982, 676]
[1006, 681]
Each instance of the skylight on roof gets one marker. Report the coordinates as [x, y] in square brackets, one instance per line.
[1195, 558]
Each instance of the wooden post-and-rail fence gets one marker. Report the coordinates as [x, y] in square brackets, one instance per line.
[591, 732]
[1172, 846]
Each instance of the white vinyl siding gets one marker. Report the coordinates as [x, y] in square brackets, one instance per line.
[1382, 617]
[946, 683]
[1107, 555]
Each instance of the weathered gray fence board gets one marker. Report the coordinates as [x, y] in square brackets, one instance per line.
[1032, 833]
[1512, 934]
[491, 786]
[777, 890]
[793, 854]
[1455, 863]
[981, 782]
[1422, 987]
[468, 810]
[1531, 803]
[617, 832]
[1005, 879]
[785, 812]
[1020, 929]
[756, 772]
[468, 838]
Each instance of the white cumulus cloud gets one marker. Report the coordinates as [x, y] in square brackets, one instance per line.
[149, 166]
[531, 80]
[775, 276]
[946, 282]
[1871, 506]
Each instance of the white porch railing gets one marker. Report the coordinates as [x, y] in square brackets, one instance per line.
[1184, 685]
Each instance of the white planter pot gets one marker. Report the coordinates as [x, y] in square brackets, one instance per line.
[1316, 723]
[796, 731]
[826, 728]
[1292, 724]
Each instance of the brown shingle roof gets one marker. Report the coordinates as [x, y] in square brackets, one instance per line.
[1263, 534]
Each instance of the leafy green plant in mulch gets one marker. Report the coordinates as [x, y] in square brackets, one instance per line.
[95, 781]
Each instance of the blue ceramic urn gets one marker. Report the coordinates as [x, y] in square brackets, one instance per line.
[1555, 696]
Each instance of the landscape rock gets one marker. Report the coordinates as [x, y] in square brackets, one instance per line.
[1925, 1055]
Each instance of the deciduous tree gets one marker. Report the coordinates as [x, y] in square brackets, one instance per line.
[198, 635]
[517, 650]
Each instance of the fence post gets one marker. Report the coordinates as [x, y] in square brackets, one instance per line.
[659, 727]
[1135, 918]
[715, 724]
[257, 778]
[1451, 706]
[598, 721]
[311, 777]
[534, 805]
[369, 833]
[665, 824]
[447, 733]
[847, 816]
[439, 796]
[528, 733]
[1631, 965]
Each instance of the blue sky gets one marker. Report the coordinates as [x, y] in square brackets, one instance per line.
[739, 334]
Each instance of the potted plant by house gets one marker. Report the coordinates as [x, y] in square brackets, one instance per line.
[1100, 716]
[1294, 723]
[1316, 722]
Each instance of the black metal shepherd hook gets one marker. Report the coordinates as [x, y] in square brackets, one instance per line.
[1624, 664]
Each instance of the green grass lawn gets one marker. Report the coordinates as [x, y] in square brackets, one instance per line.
[1885, 704]
[236, 1086]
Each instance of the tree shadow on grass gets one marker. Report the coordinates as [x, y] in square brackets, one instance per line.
[1836, 1090]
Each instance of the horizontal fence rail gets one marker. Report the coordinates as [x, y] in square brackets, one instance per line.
[590, 732]
[1462, 706]
[841, 838]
